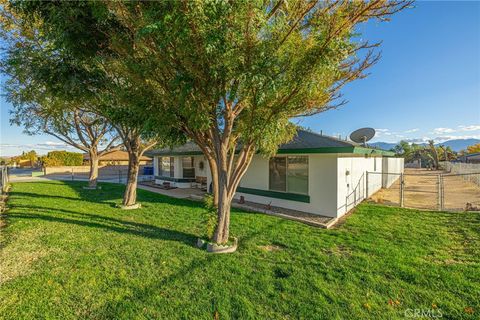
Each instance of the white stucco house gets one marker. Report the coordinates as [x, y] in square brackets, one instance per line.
[313, 173]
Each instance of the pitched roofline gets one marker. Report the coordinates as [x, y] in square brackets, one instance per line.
[352, 150]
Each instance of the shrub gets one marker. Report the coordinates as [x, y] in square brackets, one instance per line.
[210, 216]
[63, 158]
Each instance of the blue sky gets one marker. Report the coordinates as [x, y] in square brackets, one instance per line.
[426, 85]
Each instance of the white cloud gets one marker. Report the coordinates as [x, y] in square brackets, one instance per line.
[411, 130]
[454, 137]
[443, 130]
[383, 132]
[469, 128]
[53, 144]
[439, 139]
[42, 147]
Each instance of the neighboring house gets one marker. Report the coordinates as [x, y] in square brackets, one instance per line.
[312, 173]
[116, 158]
[470, 158]
[21, 163]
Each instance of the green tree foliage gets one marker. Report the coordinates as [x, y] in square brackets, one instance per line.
[474, 148]
[229, 75]
[62, 158]
[30, 156]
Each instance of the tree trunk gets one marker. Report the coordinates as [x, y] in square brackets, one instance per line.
[222, 231]
[214, 174]
[92, 179]
[130, 195]
[227, 185]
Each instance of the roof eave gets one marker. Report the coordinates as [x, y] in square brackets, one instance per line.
[352, 150]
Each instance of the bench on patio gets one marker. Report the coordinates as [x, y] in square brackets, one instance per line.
[200, 183]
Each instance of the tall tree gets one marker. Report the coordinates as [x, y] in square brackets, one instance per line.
[40, 111]
[434, 154]
[47, 82]
[78, 128]
[229, 74]
[473, 148]
[242, 70]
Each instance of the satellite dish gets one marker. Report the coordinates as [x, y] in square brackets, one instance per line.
[362, 135]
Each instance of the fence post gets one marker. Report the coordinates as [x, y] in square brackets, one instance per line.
[72, 175]
[442, 194]
[439, 192]
[402, 186]
[119, 176]
[366, 186]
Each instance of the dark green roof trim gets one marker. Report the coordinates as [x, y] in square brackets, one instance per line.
[175, 153]
[352, 150]
[276, 194]
[175, 179]
[364, 150]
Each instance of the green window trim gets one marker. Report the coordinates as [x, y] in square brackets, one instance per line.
[276, 194]
[352, 149]
[180, 180]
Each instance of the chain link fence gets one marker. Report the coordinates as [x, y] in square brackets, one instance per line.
[109, 175]
[469, 171]
[422, 189]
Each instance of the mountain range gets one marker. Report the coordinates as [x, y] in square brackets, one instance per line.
[455, 144]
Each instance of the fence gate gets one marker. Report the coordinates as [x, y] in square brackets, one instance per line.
[461, 191]
[426, 190]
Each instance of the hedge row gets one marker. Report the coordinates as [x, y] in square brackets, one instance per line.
[62, 158]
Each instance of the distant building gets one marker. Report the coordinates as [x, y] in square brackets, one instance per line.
[470, 158]
[116, 158]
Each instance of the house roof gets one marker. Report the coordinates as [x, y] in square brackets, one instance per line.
[303, 142]
[115, 156]
[476, 154]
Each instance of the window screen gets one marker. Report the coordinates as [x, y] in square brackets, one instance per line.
[297, 175]
[289, 174]
[277, 174]
[166, 166]
[188, 167]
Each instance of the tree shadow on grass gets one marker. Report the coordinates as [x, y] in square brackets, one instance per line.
[110, 194]
[106, 223]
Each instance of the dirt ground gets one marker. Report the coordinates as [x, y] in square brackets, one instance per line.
[421, 191]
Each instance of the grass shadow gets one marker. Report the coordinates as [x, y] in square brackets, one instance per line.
[106, 223]
[110, 194]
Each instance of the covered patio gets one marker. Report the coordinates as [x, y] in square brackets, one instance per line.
[198, 195]
[179, 193]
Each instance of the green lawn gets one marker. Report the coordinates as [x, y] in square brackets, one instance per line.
[68, 253]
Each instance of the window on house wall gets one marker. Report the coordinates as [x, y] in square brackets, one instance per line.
[289, 174]
[188, 167]
[277, 174]
[166, 166]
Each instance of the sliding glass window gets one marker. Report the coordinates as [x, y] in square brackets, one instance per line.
[289, 174]
[277, 176]
[166, 167]
[188, 167]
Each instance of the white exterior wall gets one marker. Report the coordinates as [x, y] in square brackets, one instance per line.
[392, 168]
[336, 182]
[178, 170]
[351, 177]
[321, 185]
